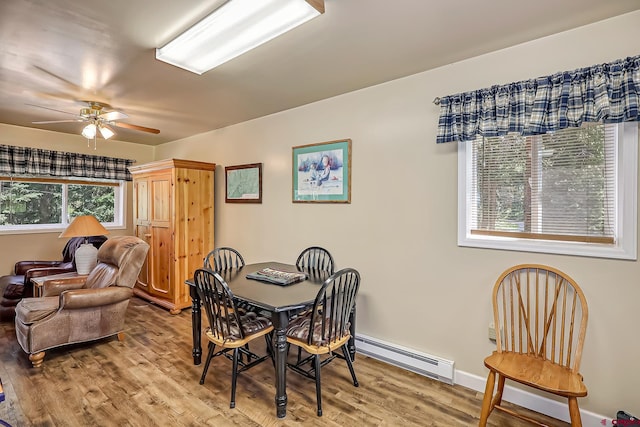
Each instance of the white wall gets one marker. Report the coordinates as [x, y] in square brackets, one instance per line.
[420, 289]
[47, 246]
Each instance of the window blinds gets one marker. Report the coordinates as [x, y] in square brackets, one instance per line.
[555, 186]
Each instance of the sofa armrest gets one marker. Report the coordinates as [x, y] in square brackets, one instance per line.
[21, 267]
[83, 298]
[47, 271]
[57, 286]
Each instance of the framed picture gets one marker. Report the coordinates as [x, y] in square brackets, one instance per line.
[243, 183]
[322, 172]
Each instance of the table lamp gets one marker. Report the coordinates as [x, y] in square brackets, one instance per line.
[86, 255]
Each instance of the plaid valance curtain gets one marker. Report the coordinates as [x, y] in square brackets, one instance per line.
[35, 161]
[607, 93]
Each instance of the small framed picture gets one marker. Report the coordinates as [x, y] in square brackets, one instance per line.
[322, 172]
[243, 183]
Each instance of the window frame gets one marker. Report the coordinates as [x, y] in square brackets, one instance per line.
[120, 204]
[625, 245]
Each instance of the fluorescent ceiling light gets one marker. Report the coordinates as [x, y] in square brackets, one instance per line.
[235, 28]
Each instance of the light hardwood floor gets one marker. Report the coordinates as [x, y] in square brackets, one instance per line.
[149, 380]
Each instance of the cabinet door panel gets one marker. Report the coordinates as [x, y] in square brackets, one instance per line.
[161, 199]
[161, 262]
[141, 226]
[141, 201]
[161, 236]
[144, 232]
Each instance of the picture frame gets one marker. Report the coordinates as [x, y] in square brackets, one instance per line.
[243, 183]
[322, 172]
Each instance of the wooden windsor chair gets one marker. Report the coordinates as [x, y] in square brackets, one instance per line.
[540, 316]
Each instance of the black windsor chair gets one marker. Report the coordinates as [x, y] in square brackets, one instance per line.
[228, 328]
[325, 328]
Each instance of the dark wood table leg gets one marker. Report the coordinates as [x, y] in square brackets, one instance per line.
[351, 345]
[280, 322]
[196, 324]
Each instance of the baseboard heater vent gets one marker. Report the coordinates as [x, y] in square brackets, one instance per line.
[411, 360]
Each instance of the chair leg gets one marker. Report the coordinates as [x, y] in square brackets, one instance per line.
[497, 400]
[36, 359]
[234, 377]
[241, 357]
[486, 401]
[268, 339]
[212, 347]
[318, 391]
[347, 357]
[574, 412]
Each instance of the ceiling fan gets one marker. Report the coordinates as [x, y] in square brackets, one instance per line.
[99, 120]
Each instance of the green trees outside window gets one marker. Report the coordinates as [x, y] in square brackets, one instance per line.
[35, 202]
[93, 200]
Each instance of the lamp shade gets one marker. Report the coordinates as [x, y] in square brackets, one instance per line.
[86, 255]
[84, 226]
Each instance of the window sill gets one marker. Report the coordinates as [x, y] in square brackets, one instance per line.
[50, 229]
[617, 251]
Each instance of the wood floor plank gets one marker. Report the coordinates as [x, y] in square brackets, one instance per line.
[149, 380]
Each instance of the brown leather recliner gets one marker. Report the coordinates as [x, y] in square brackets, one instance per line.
[83, 308]
[16, 286]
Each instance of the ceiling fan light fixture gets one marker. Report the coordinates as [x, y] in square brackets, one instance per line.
[235, 28]
[89, 131]
[105, 131]
[98, 120]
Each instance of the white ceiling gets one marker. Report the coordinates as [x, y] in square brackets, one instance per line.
[56, 53]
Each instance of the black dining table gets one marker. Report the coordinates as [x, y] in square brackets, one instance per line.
[280, 301]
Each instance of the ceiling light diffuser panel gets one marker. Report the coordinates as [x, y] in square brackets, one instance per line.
[235, 28]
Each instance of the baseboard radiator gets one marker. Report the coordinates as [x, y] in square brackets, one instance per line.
[411, 360]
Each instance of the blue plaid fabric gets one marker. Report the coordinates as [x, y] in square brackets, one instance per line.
[607, 93]
[35, 161]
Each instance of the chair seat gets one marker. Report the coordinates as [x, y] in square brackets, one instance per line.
[298, 333]
[31, 310]
[538, 373]
[252, 327]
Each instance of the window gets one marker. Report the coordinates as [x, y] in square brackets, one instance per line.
[40, 204]
[568, 192]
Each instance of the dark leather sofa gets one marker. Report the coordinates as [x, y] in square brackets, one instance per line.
[18, 285]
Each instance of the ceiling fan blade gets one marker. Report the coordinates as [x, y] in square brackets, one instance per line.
[53, 109]
[69, 84]
[44, 122]
[135, 127]
[113, 115]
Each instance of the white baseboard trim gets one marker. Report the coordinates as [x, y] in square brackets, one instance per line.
[544, 405]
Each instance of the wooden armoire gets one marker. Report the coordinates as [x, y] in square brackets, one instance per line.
[173, 213]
